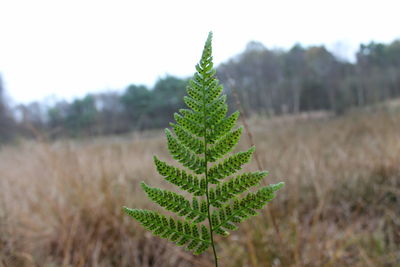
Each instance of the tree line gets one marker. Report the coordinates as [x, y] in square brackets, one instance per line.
[307, 79]
[266, 81]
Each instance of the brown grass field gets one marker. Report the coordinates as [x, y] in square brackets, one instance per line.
[60, 202]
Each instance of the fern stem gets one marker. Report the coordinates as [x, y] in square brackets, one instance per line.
[206, 177]
[208, 207]
[208, 211]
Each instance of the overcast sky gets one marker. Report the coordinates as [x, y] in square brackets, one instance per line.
[68, 48]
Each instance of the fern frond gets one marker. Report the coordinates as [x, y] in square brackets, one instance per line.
[225, 191]
[242, 209]
[174, 202]
[179, 232]
[185, 181]
[229, 166]
[203, 134]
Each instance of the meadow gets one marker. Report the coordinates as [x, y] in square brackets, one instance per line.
[60, 201]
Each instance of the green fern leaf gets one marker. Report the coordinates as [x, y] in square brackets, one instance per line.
[185, 181]
[176, 231]
[215, 104]
[194, 116]
[225, 191]
[243, 209]
[186, 138]
[182, 154]
[174, 202]
[224, 145]
[194, 91]
[202, 138]
[189, 125]
[217, 115]
[229, 166]
[193, 104]
[222, 128]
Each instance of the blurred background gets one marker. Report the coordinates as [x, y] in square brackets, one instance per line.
[86, 88]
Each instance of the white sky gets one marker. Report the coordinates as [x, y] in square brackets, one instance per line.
[68, 48]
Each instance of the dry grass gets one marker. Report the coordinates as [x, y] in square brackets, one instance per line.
[60, 203]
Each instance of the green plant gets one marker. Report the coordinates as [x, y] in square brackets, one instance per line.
[204, 134]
